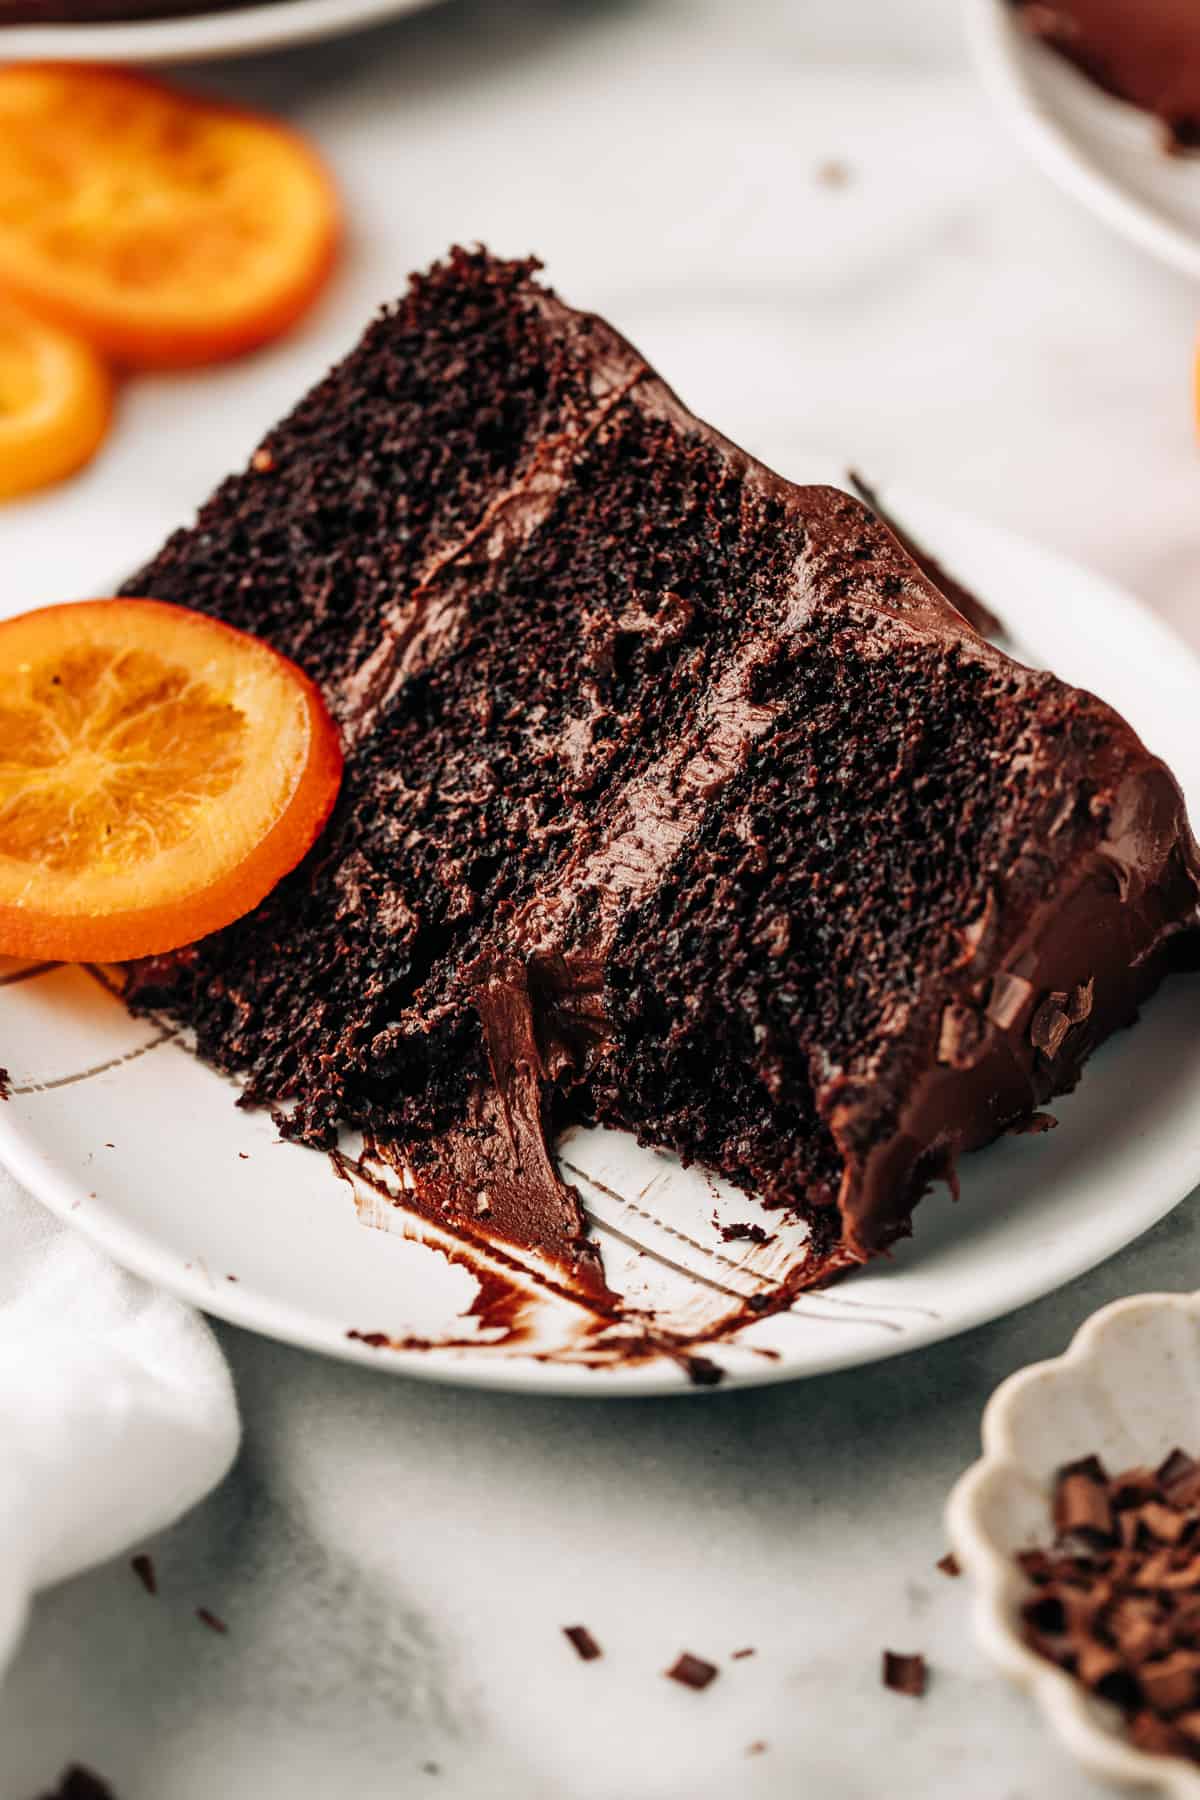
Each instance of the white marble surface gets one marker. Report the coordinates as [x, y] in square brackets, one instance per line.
[395, 1562]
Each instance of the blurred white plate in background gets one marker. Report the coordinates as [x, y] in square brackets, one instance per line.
[201, 36]
[1101, 151]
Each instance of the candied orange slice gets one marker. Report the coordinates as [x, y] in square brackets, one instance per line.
[164, 229]
[55, 403]
[159, 773]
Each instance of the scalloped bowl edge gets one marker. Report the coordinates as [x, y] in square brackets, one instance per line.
[999, 1586]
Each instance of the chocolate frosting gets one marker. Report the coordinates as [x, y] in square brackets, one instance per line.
[1062, 933]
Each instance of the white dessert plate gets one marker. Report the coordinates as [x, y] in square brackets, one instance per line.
[201, 35]
[1125, 1390]
[121, 1131]
[1101, 151]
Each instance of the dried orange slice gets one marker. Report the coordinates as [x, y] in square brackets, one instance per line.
[165, 229]
[159, 773]
[55, 403]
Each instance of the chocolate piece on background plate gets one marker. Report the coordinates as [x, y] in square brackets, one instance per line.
[904, 1674]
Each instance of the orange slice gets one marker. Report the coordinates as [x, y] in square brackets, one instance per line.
[55, 403]
[164, 229]
[159, 773]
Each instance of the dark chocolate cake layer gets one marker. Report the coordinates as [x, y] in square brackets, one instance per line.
[1147, 53]
[676, 796]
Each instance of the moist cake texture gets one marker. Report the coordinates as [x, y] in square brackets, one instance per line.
[677, 797]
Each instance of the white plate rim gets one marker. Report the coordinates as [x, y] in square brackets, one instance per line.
[201, 36]
[999, 48]
[85, 1209]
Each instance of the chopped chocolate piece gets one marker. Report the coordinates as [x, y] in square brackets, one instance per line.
[211, 1620]
[78, 1783]
[584, 1642]
[1081, 1503]
[904, 1674]
[949, 1564]
[692, 1671]
[1172, 1684]
[1125, 1621]
[1132, 1486]
[1179, 1479]
[702, 1371]
[1149, 1732]
[1050, 1026]
[1007, 1000]
[143, 1567]
[1164, 1524]
[740, 1655]
[1102, 1670]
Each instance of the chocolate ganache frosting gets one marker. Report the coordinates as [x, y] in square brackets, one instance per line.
[678, 798]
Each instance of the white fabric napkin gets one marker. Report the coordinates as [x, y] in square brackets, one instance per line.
[117, 1410]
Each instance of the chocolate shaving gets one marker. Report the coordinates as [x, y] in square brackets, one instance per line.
[1007, 999]
[1179, 1478]
[584, 1642]
[5, 1085]
[1080, 1005]
[1050, 1025]
[211, 1620]
[904, 1674]
[1116, 1602]
[692, 1671]
[1081, 1503]
[740, 1655]
[143, 1567]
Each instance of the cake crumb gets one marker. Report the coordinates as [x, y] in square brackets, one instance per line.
[757, 1748]
[143, 1567]
[834, 172]
[78, 1783]
[949, 1564]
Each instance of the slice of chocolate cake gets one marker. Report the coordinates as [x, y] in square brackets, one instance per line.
[677, 797]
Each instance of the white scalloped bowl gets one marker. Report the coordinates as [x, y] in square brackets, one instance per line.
[1128, 1389]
